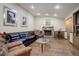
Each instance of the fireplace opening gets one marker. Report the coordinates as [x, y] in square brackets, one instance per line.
[47, 32]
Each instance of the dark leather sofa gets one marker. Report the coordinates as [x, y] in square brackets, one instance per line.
[25, 37]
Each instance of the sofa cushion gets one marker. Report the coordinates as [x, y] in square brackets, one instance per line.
[22, 35]
[13, 44]
[16, 47]
[20, 51]
[14, 36]
[29, 37]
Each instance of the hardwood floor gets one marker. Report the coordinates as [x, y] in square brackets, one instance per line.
[55, 47]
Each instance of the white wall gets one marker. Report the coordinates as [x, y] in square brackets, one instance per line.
[56, 23]
[20, 12]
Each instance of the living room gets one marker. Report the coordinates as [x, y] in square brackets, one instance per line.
[36, 29]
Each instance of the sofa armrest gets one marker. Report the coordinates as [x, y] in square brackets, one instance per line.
[25, 51]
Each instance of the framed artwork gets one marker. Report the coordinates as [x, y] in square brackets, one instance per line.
[24, 21]
[47, 23]
[9, 17]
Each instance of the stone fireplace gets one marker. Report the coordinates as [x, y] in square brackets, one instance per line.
[48, 31]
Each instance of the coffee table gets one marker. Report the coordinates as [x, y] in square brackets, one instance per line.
[42, 42]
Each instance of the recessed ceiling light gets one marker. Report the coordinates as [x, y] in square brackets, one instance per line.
[32, 7]
[57, 6]
[55, 14]
[46, 14]
[38, 13]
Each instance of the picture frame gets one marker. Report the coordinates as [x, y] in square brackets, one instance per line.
[47, 23]
[24, 21]
[9, 17]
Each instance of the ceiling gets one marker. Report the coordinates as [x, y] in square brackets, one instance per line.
[50, 8]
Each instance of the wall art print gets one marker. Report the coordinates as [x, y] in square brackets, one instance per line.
[9, 17]
[24, 21]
